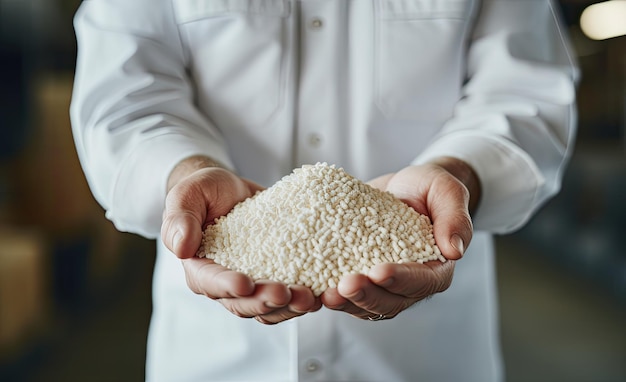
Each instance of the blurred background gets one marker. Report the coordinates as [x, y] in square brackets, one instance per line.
[75, 293]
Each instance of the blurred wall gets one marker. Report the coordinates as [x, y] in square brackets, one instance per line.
[58, 254]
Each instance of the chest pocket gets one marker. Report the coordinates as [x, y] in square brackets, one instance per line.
[420, 49]
[236, 50]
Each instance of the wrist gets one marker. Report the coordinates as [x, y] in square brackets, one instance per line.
[465, 174]
[188, 166]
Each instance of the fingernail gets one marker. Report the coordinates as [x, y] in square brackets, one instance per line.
[271, 305]
[457, 243]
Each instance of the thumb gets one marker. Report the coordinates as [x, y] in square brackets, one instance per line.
[433, 191]
[452, 224]
[183, 220]
[181, 233]
[452, 235]
[197, 200]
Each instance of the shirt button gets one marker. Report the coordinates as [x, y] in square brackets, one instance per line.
[316, 23]
[313, 365]
[315, 140]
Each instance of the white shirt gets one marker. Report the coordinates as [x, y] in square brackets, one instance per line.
[265, 86]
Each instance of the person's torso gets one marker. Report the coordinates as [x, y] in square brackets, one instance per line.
[361, 84]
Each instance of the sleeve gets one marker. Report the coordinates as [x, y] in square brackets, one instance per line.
[133, 114]
[516, 122]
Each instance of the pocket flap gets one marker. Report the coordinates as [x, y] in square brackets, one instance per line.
[423, 9]
[191, 10]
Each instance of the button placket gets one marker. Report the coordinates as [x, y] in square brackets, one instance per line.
[318, 83]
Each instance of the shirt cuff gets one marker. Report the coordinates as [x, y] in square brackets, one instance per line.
[509, 178]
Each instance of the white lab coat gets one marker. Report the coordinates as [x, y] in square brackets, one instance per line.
[264, 86]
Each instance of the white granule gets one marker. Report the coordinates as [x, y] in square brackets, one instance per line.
[316, 225]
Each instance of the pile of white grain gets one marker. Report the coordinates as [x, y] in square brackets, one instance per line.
[316, 225]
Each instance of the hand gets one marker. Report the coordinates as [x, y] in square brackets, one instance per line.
[445, 190]
[388, 289]
[199, 192]
[266, 301]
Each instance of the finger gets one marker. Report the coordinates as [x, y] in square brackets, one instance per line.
[268, 297]
[448, 203]
[414, 280]
[253, 186]
[197, 200]
[182, 233]
[183, 218]
[355, 311]
[381, 182]
[215, 281]
[302, 301]
[333, 300]
[370, 298]
[437, 193]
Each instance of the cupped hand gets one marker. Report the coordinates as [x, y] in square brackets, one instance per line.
[441, 190]
[193, 201]
[388, 289]
[266, 301]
